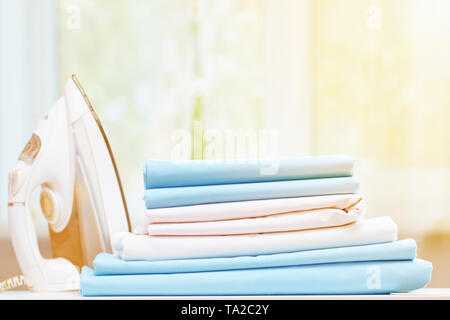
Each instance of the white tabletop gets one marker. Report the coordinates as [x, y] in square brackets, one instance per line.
[421, 294]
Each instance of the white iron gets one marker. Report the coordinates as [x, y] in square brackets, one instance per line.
[68, 156]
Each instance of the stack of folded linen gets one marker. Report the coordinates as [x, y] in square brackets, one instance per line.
[227, 229]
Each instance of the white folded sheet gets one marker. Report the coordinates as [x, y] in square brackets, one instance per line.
[257, 216]
[250, 209]
[301, 220]
[144, 247]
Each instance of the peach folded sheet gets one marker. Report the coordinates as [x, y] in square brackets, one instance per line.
[258, 216]
[144, 247]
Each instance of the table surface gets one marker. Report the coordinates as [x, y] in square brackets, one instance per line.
[421, 294]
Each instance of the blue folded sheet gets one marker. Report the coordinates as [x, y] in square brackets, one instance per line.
[162, 174]
[372, 277]
[185, 196]
[108, 264]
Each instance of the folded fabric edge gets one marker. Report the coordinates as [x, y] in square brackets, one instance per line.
[202, 212]
[350, 214]
[419, 278]
[340, 160]
[154, 198]
[328, 219]
[399, 250]
[129, 251]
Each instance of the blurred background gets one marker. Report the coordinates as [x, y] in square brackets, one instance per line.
[369, 78]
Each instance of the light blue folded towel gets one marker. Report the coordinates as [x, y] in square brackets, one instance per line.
[372, 277]
[162, 174]
[108, 264]
[186, 196]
